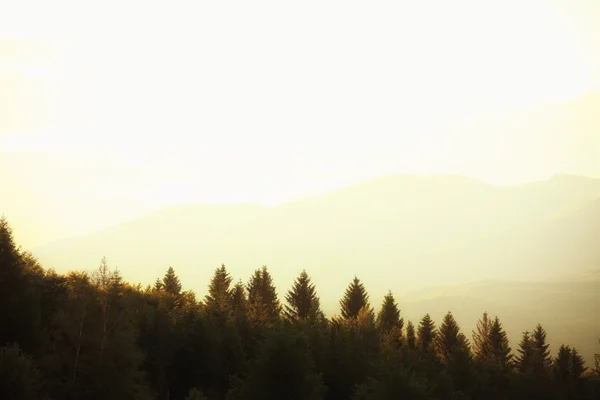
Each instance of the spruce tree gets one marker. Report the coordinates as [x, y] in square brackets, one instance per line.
[389, 315]
[542, 353]
[481, 339]
[411, 339]
[355, 298]
[263, 305]
[562, 364]
[526, 356]
[239, 302]
[219, 297]
[303, 303]
[171, 283]
[499, 350]
[449, 338]
[426, 333]
[454, 351]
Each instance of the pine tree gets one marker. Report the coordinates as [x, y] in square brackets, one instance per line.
[303, 303]
[562, 364]
[263, 305]
[577, 364]
[454, 351]
[481, 339]
[411, 339]
[448, 338]
[426, 333]
[499, 349]
[239, 302]
[355, 298]
[219, 292]
[19, 309]
[389, 315]
[543, 358]
[171, 282]
[526, 357]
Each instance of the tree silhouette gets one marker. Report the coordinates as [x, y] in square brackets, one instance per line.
[389, 315]
[171, 283]
[481, 339]
[426, 333]
[411, 339]
[303, 303]
[355, 298]
[219, 295]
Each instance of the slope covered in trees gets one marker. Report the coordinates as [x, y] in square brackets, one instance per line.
[93, 335]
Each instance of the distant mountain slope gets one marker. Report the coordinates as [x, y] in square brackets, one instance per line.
[414, 230]
[568, 310]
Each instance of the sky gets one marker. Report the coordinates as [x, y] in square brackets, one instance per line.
[267, 102]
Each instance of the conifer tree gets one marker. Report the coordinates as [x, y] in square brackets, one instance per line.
[19, 307]
[171, 283]
[577, 364]
[355, 298]
[411, 339]
[543, 360]
[303, 303]
[562, 364]
[389, 315]
[481, 339]
[454, 351]
[239, 302]
[426, 333]
[449, 338]
[499, 349]
[263, 305]
[219, 295]
[526, 356]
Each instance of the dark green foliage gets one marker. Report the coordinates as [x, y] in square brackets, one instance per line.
[94, 336]
[219, 297]
[481, 340]
[283, 370]
[263, 306]
[389, 315]
[303, 303]
[170, 283]
[453, 349]
[195, 394]
[426, 333]
[355, 298]
[19, 376]
[19, 302]
[411, 339]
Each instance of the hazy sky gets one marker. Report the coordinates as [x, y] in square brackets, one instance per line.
[176, 102]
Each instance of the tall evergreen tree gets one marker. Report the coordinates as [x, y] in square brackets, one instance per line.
[239, 302]
[355, 298]
[303, 303]
[526, 354]
[411, 339]
[542, 353]
[454, 351]
[481, 339]
[219, 295]
[19, 307]
[389, 315]
[263, 305]
[426, 333]
[171, 283]
[499, 349]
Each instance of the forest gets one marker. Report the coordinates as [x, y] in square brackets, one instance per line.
[92, 335]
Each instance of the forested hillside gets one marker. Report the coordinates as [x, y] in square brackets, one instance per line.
[92, 335]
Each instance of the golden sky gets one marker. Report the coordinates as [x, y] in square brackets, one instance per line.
[270, 101]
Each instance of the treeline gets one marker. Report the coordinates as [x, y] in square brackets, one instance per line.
[94, 336]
